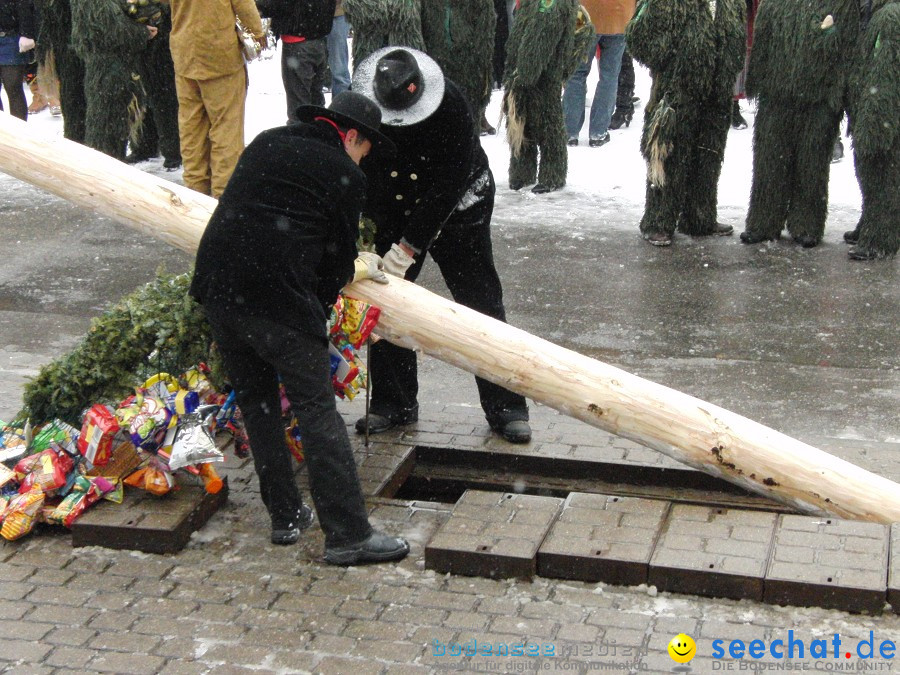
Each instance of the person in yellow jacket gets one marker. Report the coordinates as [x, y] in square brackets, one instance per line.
[211, 82]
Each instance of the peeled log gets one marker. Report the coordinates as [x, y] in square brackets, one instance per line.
[692, 431]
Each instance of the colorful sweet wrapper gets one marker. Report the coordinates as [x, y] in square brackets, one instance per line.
[152, 478]
[85, 492]
[98, 430]
[146, 418]
[183, 402]
[21, 514]
[359, 320]
[13, 444]
[7, 475]
[294, 442]
[193, 443]
[46, 471]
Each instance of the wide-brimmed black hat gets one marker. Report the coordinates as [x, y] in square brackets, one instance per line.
[408, 85]
[352, 110]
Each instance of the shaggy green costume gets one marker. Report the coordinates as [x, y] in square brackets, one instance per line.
[108, 42]
[459, 35]
[694, 49]
[538, 62]
[874, 106]
[381, 23]
[56, 40]
[797, 72]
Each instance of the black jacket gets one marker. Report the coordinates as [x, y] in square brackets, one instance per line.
[310, 19]
[282, 240]
[17, 18]
[413, 194]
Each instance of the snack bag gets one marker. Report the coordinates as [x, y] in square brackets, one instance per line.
[145, 416]
[7, 476]
[97, 432]
[152, 478]
[13, 444]
[20, 514]
[193, 443]
[359, 320]
[46, 471]
[292, 435]
[86, 491]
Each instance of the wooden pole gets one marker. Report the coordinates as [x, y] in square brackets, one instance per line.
[692, 431]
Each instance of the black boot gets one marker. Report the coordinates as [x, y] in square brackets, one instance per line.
[737, 120]
[621, 116]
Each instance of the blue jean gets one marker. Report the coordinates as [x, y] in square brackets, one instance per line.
[338, 57]
[604, 103]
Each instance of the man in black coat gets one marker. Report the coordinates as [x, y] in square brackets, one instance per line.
[277, 250]
[435, 195]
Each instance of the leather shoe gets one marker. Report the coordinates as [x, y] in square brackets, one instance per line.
[379, 547]
[573, 141]
[860, 253]
[516, 185]
[137, 157]
[659, 238]
[806, 241]
[851, 236]
[288, 533]
[381, 423]
[516, 431]
[748, 237]
[172, 163]
[719, 230]
[599, 140]
[542, 189]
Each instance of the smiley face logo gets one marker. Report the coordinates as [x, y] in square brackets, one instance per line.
[682, 648]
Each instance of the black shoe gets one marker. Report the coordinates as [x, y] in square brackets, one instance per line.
[516, 431]
[859, 253]
[658, 238]
[379, 547]
[288, 533]
[852, 236]
[137, 157]
[837, 154]
[516, 184]
[573, 141]
[619, 118]
[380, 423]
[635, 100]
[486, 128]
[748, 237]
[806, 241]
[172, 164]
[541, 189]
[600, 140]
[718, 230]
[737, 120]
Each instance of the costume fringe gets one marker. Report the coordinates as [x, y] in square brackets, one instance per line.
[48, 79]
[135, 117]
[515, 125]
[660, 131]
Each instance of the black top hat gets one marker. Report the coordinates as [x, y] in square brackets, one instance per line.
[407, 84]
[352, 110]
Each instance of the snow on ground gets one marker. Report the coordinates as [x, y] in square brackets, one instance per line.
[605, 185]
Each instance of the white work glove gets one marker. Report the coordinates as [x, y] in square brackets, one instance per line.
[397, 261]
[25, 44]
[369, 266]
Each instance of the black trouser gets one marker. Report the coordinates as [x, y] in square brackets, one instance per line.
[157, 72]
[465, 257]
[625, 87]
[12, 79]
[303, 74]
[255, 352]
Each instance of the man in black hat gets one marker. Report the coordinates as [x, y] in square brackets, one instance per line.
[436, 195]
[277, 250]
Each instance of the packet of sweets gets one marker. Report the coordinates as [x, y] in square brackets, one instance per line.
[152, 478]
[20, 515]
[98, 430]
[48, 471]
[193, 443]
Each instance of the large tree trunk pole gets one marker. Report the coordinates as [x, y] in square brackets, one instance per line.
[692, 431]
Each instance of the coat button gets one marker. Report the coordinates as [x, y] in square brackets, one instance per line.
[399, 197]
[407, 212]
[413, 176]
[394, 174]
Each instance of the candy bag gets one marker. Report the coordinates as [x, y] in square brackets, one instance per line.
[97, 432]
[46, 471]
[152, 478]
[193, 443]
[20, 514]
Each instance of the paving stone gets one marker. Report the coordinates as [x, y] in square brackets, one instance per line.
[893, 586]
[147, 523]
[127, 664]
[849, 570]
[492, 534]
[602, 538]
[69, 657]
[713, 551]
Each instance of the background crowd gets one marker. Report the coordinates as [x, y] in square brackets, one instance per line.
[136, 78]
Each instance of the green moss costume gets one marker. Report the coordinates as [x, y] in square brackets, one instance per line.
[797, 72]
[538, 62]
[874, 107]
[56, 40]
[459, 35]
[694, 49]
[381, 23]
[108, 42]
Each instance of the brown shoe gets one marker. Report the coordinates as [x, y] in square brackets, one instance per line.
[659, 238]
[38, 102]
